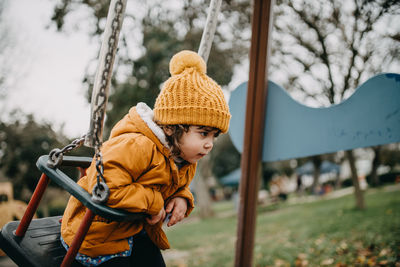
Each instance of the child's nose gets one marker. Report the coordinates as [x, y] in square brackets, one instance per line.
[209, 144]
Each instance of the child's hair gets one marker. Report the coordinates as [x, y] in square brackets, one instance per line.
[177, 132]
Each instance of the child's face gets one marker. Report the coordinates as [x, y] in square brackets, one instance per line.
[196, 143]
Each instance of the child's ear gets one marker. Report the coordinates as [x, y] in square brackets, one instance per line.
[168, 130]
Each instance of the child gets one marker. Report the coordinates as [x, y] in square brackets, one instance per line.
[149, 161]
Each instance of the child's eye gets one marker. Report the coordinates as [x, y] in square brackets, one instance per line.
[204, 134]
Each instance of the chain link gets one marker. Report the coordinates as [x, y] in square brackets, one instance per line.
[56, 155]
[101, 97]
[101, 191]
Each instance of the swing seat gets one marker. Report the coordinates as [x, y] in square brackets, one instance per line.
[41, 245]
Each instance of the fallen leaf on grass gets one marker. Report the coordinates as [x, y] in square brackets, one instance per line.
[371, 261]
[318, 241]
[384, 252]
[361, 259]
[364, 252]
[281, 263]
[301, 260]
[383, 263]
[342, 248]
[301, 263]
[327, 262]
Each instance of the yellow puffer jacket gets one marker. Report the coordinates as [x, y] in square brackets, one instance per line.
[142, 177]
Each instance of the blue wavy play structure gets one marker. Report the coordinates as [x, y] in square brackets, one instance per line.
[371, 116]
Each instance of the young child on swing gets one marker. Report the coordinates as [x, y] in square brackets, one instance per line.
[149, 161]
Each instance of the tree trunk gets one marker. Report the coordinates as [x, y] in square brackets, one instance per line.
[317, 172]
[338, 182]
[358, 193]
[203, 199]
[375, 164]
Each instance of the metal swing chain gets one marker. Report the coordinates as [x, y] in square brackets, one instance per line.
[56, 154]
[101, 191]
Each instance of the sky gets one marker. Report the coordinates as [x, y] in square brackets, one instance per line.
[48, 68]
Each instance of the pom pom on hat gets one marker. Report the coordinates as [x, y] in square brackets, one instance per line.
[186, 59]
[190, 97]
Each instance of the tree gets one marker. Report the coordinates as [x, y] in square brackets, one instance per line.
[323, 50]
[202, 194]
[375, 164]
[7, 44]
[224, 156]
[391, 156]
[22, 141]
[317, 161]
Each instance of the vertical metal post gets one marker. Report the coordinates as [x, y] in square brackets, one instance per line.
[209, 30]
[78, 239]
[82, 172]
[254, 131]
[32, 206]
[101, 85]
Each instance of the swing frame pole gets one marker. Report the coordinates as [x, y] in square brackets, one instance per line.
[209, 29]
[78, 239]
[109, 45]
[254, 132]
[32, 206]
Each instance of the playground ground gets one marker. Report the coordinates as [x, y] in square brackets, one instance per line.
[305, 231]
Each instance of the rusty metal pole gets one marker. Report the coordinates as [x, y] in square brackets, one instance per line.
[254, 131]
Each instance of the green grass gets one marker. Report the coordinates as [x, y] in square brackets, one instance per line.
[324, 232]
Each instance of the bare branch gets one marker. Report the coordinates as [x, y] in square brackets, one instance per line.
[321, 40]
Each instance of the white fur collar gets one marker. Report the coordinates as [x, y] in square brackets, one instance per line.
[147, 115]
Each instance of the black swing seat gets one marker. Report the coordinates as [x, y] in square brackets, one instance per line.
[41, 245]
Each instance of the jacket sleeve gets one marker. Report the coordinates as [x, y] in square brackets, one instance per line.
[125, 160]
[136, 198]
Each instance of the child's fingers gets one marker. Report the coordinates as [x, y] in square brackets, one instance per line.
[164, 214]
[169, 207]
[156, 218]
[172, 221]
[175, 218]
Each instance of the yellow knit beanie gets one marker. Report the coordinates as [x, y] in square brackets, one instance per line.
[190, 97]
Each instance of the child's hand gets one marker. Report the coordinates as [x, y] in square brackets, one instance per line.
[156, 218]
[178, 207]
